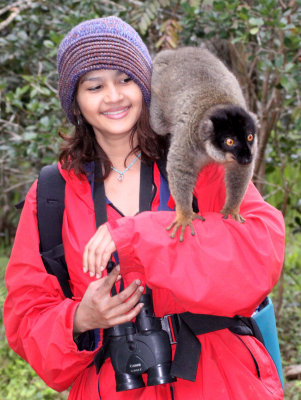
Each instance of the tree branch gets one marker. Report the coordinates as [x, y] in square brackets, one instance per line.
[8, 20]
[10, 6]
[15, 9]
[17, 185]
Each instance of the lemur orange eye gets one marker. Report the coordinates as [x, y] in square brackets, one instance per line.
[250, 137]
[230, 142]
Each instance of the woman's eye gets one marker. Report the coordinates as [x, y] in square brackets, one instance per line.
[126, 80]
[229, 142]
[92, 89]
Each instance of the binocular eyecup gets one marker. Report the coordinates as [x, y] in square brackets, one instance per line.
[157, 375]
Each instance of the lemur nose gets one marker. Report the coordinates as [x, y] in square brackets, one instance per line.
[245, 160]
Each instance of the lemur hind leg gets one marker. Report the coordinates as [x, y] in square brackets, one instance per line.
[182, 167]
[237, 179]
[235, 214]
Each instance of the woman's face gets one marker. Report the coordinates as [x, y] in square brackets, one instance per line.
[110, 101]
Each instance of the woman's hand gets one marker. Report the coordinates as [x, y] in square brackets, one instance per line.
[98, 309]
[98, 251]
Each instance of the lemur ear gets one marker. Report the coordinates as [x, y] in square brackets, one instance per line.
[256, 120]
[206, 128]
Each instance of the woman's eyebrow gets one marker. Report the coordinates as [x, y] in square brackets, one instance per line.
[99, 78]
[92, 78]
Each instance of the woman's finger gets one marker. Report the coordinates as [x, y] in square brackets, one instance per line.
[125, 295]
[101, 248]
[126, 306]
[121, 319]
[107, 248]
[109, 281]
[94, 248]
[98, 251]
[103, 254]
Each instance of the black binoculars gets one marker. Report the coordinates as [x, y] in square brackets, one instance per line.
[140, 347]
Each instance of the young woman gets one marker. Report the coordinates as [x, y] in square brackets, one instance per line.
[226, 269]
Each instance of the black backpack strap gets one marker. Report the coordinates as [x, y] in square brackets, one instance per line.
[146, 187]
[50, 210]
[99, 197]
[162, 167]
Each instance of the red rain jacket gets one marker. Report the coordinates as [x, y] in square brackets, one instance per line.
[226, 269]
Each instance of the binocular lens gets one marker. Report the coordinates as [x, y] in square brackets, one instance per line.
[159, 374]
[128, 382]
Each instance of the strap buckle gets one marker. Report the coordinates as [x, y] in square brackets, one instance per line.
[171, 324]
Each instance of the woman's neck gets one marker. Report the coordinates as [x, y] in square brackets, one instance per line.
[117, 149]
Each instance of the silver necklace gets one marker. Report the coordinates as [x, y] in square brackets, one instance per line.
[121, 173]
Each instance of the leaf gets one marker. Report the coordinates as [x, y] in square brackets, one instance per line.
[219, 5]
[289, 66]
[172, 42]
[22, 35]
[279, 60]
[165, 3]
[256, 21]
[254, 31]
[160, 42]
[49, 44]
[22, 90]
[45, 122]
[29, 136]
[176, 25]
[288, 83]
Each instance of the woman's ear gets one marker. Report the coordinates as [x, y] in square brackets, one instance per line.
[77, 115]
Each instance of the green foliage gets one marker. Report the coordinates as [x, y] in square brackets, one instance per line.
[17, 379]
[290, 334]
[30, 111]
[262, 39]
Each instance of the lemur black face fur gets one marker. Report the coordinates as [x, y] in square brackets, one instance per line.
[234, 132]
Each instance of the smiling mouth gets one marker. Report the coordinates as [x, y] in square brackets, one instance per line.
[116, 112]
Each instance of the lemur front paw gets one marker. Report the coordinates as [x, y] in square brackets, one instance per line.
[234, 214]
[182, 221]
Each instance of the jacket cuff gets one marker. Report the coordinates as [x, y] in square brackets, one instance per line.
[83, 342]
[122, 232]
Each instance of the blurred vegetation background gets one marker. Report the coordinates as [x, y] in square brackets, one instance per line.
[260, 43]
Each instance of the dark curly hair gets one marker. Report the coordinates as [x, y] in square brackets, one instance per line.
[81, 147]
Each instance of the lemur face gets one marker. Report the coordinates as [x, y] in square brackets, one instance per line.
[234, 133]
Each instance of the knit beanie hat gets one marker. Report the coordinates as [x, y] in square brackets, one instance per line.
[101, 43]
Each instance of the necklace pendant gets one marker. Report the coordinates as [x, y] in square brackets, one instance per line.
[121, 173]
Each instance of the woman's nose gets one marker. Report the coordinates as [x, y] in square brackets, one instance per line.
[113, 94]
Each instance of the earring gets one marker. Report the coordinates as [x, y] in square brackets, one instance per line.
[79, 119]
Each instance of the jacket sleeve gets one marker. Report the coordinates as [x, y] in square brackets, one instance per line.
[226, 269]
[38, 318]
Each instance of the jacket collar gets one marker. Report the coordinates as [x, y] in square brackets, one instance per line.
[85, 186]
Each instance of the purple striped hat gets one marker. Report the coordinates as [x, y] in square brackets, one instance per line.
[101, 43]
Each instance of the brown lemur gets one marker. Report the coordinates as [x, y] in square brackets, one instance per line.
[199, 102]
